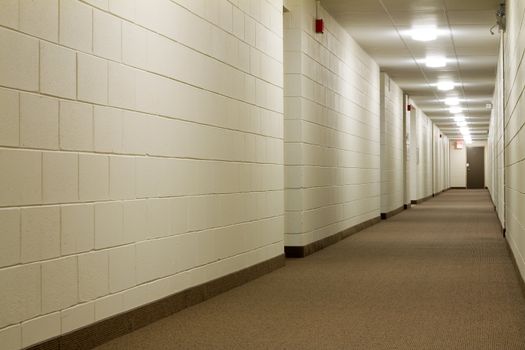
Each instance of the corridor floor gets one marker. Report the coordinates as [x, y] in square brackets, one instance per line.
[438, 276]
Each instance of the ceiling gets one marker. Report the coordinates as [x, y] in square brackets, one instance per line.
[383, 29]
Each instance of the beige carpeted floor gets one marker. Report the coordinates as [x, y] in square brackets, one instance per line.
[437, 276]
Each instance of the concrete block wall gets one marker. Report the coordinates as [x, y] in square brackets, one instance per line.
[332, 142]
[426, 148]
[458, 171]
[514, 132]
[441, 151]
[392, 142]
[141, 148]
[421, 154]
[496, 145]
[445, 144]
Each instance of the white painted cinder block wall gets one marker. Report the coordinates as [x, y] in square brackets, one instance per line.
[421, 152]
[458, 170]
[332, 144]
[514, 121]
[496, 145]
[392, 142]
[425, 149]
[141, 153]
[440, 160]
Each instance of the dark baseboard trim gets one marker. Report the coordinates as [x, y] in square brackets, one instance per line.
[458, 188]
[444, 190]
[493, 204]
[407, 206]
[302, 251]
[440, 192]
[503, 229]
[419, 201]
[516, 268]
[391, 213]
[101, 332]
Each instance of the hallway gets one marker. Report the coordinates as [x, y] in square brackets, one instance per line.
[160, 154]
[437, 276]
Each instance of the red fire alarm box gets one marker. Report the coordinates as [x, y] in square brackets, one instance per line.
[319, 25]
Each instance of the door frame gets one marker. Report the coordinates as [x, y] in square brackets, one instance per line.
[484, 164]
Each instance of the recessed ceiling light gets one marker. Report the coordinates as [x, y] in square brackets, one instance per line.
[424, 33]
[435, 61]
[452, 101]
[455, 110]
[459, 118]
[461, 124]
[445, 85]
[464, 131]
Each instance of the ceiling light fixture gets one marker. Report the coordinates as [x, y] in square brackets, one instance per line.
[459, 118]
[464, 131]
[424, 33]
[445, 85]
[455, 110]
[461, 124]
[435, 61]
[452, 101]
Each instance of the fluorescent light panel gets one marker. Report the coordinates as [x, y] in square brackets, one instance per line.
[435, 61]
[424, 33]
[445, 85]
[459, 118]
[452, 101]
[464, 131]
[455, 110]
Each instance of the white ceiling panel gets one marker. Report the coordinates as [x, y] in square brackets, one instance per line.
[363, 19]
[477, 62]
[382, 28]
[413, 5]
[376, 36]
[410, 18]
[471, 17]
[472, 5]
[342, 6]
[474, 36]
[393, 61]
[476, 50]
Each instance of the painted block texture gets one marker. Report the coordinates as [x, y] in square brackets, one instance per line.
[507, 132]
[133, 153]
[420, 153]
[331, 129]
[392, 139]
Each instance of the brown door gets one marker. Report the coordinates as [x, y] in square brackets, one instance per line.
[475, 167]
